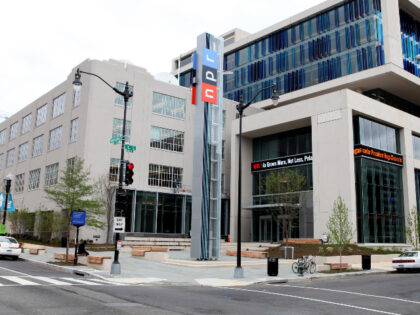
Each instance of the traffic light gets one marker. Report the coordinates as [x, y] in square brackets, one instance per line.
[129, 173]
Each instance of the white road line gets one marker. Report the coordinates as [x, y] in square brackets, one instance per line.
[8, 269]
[19, 280]
[52, 281]
[314, 300]
[107, 282]
[349, 292]
[80, 281]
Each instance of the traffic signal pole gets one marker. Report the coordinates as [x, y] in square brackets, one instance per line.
[116, 267]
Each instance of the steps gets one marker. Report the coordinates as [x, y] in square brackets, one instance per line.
[171, 243]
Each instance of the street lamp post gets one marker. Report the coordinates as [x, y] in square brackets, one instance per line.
[9, 178]
[241, 107]
[126, 94]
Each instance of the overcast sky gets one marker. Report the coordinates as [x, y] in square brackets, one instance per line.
[43, 40]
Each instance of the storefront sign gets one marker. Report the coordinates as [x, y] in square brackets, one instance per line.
[361, 150]
[209, 76]
[287, 161]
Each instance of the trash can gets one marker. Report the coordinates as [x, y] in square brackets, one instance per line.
[272, 266]
[64, 242]
[366, 259]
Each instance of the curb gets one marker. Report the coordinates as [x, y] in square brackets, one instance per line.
[61, 268]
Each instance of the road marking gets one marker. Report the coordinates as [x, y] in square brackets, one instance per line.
[8, 269]
[80, 281]
[19, 280]
[52, 281]
[314, 300]
[107, 282]
[348, 292]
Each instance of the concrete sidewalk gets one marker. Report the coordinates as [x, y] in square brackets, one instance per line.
[181, 269]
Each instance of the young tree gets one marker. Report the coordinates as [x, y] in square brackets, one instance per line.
[73, 192]
[285, 188]
[106, 191]
[412, 229]
[340, 229]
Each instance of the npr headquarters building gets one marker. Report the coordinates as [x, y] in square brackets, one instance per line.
[348, 117]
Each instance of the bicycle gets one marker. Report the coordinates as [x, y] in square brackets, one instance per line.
[308, 264]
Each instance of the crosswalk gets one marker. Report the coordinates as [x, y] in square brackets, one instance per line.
[10, 281]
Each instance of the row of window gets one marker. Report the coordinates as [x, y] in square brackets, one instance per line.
[55, 141]
[410, 40]
[51, 178]
[41, 117]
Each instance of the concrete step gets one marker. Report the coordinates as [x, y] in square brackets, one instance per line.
[171, 243]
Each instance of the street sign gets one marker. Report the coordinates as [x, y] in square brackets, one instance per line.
[130, 148]
[10, 205]
[116, 139]
[78, 217]
[2, 228]
[119, 224]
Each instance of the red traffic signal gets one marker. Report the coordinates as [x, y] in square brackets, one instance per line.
[129, 173]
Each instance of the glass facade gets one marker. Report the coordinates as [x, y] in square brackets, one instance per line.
[162, 213]
[417, 179]
[416, 147]
[410, 40]
[168, 105]
[335, 43]
[379, 190]
[269, 220]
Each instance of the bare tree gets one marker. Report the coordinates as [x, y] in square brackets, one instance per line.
[106, 190]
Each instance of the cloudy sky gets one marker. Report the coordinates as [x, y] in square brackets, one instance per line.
[43, 40]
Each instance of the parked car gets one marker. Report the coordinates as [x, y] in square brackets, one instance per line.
[407, 260]
[10, 247]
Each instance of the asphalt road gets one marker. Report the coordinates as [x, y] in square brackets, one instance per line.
[30, 289]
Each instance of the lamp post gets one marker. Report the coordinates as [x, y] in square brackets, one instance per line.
[9, 178]
[241, 107]
[126, 94]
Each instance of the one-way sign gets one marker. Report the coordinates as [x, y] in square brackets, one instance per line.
[119, 224]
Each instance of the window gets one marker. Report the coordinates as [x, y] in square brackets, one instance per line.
[223, 149]
[416, 147]
[165, 176]
[26, 123]
[76, 97]
[20, 182]
[55, 138]
[113, 170]
[167, 139]
[1, 161]
[3, 136]
[117, 129]
[34, 179]
[224, 118]
[23, 152]
[37, 145]
[119, 100]
[13, 131]
[58, 105]
[73, 129]
[70, 162]
[168, 105]
[41, 115]
[51, 174]
[10, 157]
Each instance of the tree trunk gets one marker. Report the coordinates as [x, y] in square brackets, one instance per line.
[340, 262]
[67, 244]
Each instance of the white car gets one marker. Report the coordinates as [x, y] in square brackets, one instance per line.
[407, 260]
[10, 247]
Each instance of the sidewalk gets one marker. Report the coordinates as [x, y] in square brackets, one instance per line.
[181, 269]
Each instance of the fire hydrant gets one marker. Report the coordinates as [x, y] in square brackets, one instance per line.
[301, 267]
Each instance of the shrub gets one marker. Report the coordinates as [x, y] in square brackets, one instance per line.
[321, 250]
[329, 249]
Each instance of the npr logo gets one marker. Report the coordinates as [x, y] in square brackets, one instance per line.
[209, 77]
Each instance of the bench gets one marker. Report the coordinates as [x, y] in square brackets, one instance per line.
[336, 266]
[248, 254]
[312, 241]
[99, 262]
[138, 253]
[62, 256]
[37, 251]
[151, 248]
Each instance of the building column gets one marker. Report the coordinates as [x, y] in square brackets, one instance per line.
[392, 32]
[333, 165]
[408, 178]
